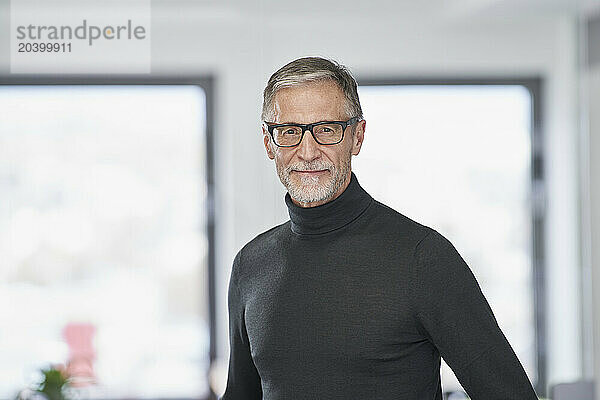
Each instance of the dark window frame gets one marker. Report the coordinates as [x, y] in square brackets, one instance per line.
[534, 86]
[207, 83]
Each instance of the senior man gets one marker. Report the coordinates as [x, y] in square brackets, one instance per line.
[350, 299]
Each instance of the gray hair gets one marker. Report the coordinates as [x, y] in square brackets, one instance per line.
[312, 69]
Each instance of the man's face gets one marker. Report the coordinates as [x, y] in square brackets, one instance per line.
[314, 174]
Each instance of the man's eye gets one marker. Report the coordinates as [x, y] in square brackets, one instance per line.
[289, 132]
[326, 129]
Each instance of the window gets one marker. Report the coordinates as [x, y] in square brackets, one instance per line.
[458, 158]
[103, 236]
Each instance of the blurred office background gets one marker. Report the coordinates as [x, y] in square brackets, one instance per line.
[124, 198]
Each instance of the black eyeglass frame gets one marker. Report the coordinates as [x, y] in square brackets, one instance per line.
[309, 127]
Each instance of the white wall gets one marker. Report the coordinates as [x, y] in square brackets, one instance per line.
[242, 44]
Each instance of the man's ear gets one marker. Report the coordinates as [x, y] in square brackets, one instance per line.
[358, 136]
[267, 142]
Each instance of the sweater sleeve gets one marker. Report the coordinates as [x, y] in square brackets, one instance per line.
[243, 380]
[455, 316]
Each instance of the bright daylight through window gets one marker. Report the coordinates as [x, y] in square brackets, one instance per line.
[103, 241]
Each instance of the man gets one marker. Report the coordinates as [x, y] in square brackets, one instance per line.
[350, 299]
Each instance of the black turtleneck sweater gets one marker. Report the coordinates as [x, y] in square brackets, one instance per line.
[353, 300]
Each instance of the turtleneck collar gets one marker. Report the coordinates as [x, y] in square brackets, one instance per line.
[331, 215]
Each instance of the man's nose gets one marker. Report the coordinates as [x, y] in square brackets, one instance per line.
[308, 149]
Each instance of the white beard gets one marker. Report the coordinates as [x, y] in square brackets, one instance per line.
[309, 189]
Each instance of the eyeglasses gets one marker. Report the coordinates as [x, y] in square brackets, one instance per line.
[324, 132]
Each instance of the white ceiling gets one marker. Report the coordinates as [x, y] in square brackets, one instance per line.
[436, 11]
[524, 7]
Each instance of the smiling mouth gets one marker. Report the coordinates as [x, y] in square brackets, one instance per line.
[311, 171]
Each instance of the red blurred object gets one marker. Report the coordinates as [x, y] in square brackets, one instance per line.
[80, 365]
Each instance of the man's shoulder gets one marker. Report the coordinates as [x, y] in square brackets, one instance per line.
[425, 243]
[270, 236]
[390, 221]
[264, 242]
